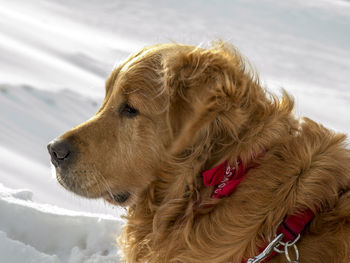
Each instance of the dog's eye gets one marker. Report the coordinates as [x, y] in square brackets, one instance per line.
[128, 111]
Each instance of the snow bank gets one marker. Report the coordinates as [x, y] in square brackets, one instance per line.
[74, 44]
[33, 232]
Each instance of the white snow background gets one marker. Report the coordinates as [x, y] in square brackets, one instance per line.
[56, 54]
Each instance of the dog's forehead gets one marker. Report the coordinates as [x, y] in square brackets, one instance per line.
[133, 59]
[148, 53]
[140, 73]
[140, 69]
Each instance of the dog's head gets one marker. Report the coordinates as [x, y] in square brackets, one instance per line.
[167, 100]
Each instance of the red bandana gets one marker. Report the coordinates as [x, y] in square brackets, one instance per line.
[224, 178]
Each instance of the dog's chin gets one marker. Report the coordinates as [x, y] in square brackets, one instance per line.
[120, 198]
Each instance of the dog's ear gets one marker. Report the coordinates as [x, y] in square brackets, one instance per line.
[201, 84]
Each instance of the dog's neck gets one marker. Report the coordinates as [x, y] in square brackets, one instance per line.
[175, 201]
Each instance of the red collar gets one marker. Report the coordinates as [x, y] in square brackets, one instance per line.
[225, 180]
[291, 228]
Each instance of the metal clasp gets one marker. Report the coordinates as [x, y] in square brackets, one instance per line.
[268, 250]
[274, 246]
[286, 246]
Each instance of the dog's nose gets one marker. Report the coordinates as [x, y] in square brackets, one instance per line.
[60, 151]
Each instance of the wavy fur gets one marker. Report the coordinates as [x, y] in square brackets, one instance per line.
[198, 107]
[305, 166]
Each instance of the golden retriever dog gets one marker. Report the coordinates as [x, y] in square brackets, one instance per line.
[175, 113]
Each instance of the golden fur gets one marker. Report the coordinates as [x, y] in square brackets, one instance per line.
[198, 107]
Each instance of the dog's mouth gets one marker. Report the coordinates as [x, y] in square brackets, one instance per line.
[115, 198]
[120, 198]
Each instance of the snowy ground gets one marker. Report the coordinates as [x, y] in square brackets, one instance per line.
[31, 232]
[56, 54]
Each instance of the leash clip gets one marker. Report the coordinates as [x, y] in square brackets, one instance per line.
[273, 246]
[268, 250]
[285, 251]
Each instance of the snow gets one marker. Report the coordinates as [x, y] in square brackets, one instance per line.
[55, 56]
[32, 232]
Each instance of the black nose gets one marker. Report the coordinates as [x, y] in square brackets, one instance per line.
[60, 151]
